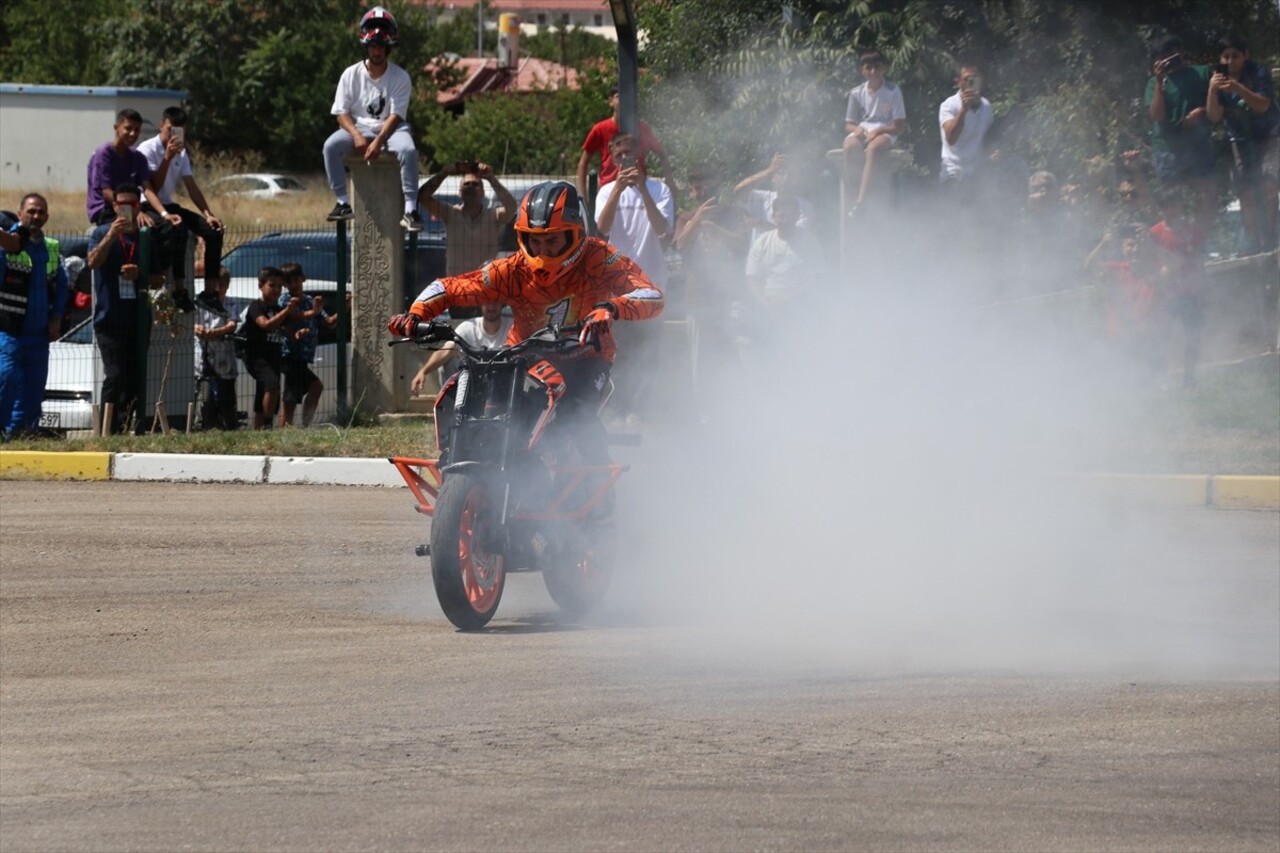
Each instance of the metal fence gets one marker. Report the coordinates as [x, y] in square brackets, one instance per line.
[171, 363]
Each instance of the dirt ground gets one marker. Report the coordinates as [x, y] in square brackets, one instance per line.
[258, 667]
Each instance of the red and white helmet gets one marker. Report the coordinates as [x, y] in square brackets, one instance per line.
[378, 26]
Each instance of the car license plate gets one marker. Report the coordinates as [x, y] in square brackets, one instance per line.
[50, 420]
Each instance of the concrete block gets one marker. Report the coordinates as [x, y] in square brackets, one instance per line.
[179, 467]
[44, 465]
[1246, 492]
[301, 470]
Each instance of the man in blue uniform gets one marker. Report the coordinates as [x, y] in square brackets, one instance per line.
[33, 296]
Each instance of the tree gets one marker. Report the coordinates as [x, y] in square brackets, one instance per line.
[768, 76]
[47, 41]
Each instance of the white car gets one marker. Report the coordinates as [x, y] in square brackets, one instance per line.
[258, 185]
[68, 391]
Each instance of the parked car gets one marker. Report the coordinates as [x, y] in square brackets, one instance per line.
[317, 251]
[68, 390]
[258, 185]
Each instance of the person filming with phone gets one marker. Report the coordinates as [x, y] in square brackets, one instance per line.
[1181, 144]
[964, 119]
[166, 154]
[1242, 96]
[473, 228]
[121, 323]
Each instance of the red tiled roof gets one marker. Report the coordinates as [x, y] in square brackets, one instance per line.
[520, 5]
[484, 75]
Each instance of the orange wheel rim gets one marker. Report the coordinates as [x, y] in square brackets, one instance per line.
[481, 569]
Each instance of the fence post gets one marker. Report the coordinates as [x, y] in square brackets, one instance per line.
[142, 337]
[344, 323]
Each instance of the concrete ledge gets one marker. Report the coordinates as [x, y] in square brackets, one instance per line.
[1245, 492]
[1149, 490]
[180, 467]
[1162, 490]
[43, 465]
[300, 470]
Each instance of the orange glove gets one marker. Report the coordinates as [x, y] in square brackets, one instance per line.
[596, 324]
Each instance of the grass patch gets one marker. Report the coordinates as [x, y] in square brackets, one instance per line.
[1228, 424]
[406, 439]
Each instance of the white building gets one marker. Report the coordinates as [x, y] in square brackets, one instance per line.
[48, 133]
[594, 16]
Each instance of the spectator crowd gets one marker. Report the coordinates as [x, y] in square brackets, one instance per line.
[731, 254]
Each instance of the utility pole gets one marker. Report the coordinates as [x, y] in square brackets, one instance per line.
[480, 30]
[624, 21]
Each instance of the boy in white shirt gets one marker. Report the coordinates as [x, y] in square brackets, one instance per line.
[372, 104]
[873, 121]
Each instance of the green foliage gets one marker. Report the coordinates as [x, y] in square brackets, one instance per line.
[574, 47]
[48, 41]
[536, 133]
[1063, 77]
[730, 81]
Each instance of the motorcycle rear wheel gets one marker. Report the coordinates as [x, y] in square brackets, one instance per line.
[579, 583]
[468, 577]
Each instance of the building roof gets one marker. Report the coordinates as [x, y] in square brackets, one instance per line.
[486, 75]
[94, 91]
[523, 5]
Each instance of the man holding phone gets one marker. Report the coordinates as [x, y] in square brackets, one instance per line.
[166, 154]
[474, 227]
[121, 323]
[1181, 145]
[963, 119]
[1242, 97]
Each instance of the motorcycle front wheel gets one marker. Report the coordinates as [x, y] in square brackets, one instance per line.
[468, 576]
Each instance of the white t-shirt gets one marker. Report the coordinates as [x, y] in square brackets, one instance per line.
[785, 265]
[631, 233]
[758, 204]
[179, 167]
[371, 102]
[962, 159]
[874, 110]
[472, 331]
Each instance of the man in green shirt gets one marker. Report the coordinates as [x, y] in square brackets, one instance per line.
[1181, 145]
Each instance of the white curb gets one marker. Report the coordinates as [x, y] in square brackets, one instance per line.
[190, 467]
[331, 471]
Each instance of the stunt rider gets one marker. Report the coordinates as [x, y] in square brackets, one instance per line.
[560, 276]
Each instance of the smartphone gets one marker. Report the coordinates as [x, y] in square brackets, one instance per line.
[973, 83]
[126, 212]
[1173, 63]
[178, 133]
[473, 166]
[1220, 68]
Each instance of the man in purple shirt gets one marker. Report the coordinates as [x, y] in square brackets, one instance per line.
[115, 164]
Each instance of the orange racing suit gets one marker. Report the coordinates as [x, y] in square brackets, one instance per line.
[601, 275]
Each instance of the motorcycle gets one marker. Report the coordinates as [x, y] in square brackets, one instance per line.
[518, 485]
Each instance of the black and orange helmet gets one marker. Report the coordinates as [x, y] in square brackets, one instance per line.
[549, 208]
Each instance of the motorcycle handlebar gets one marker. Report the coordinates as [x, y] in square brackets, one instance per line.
[562, 339]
